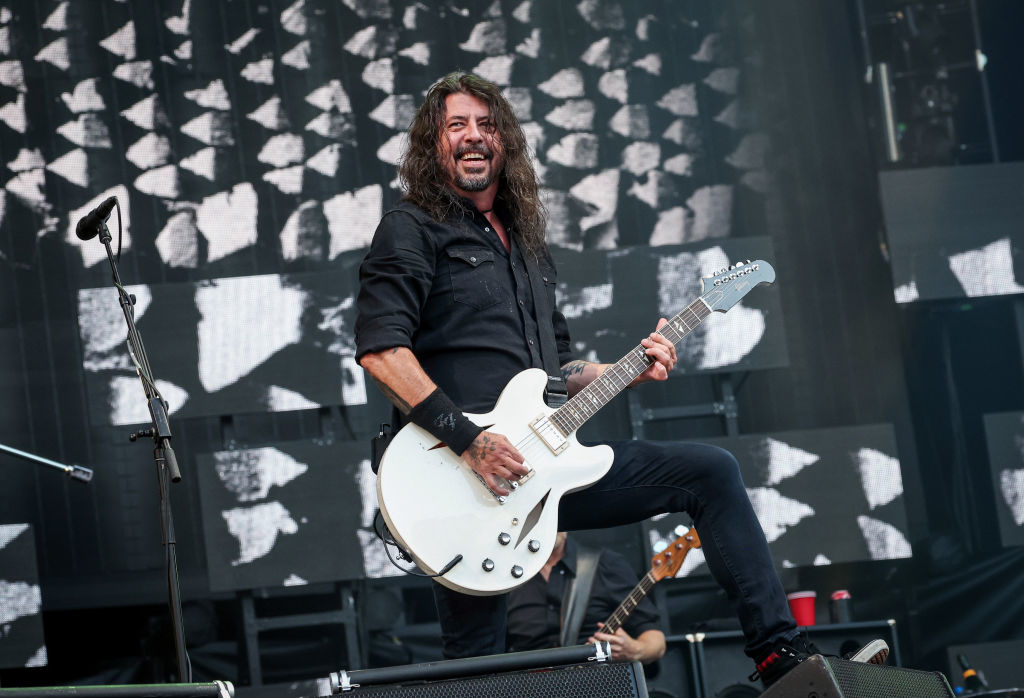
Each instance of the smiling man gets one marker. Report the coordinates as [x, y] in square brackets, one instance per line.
[457, 296]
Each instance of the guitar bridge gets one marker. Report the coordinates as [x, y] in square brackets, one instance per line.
[510, 485]
[551, 435]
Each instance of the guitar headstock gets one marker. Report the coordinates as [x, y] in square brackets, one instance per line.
[726, 287]
[668, 562]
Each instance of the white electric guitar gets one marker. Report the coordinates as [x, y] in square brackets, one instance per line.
[443, 513]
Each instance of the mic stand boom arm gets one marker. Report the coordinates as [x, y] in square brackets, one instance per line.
[76, 472]
[163, 455]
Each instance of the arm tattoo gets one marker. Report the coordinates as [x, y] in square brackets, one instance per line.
[572, 368]
[391, 395]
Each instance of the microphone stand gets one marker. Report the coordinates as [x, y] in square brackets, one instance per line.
[163, 455]
[76, 472]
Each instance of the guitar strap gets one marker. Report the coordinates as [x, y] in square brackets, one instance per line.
[577, 595]
[555, 393]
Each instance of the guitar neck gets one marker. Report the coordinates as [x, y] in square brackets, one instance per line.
[599, 392]
[629, 604]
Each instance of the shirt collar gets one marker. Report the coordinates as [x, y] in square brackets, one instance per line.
[569, 556]
[471, 207]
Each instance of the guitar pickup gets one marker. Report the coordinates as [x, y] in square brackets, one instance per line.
[551, 435]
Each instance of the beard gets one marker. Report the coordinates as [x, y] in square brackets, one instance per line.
[473, 182]
[476, 182]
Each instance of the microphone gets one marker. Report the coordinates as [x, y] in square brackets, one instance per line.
[89, 226]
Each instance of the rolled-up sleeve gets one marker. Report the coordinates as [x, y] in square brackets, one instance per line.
[394, 281]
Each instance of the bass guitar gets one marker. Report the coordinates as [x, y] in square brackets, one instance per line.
[441, 512]
[665, 564]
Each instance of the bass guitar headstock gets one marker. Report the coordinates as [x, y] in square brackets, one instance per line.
[668, 562]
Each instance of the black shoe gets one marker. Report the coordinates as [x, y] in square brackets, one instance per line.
[782, 658]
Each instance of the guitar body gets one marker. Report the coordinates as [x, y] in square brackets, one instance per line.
[436, 506]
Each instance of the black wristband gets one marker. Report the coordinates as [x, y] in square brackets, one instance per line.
[438, 414]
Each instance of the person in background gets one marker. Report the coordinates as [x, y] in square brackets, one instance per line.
[536, 609]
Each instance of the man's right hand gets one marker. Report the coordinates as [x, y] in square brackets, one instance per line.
[492, 456]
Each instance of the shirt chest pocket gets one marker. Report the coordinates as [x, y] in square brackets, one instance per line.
[474, 277]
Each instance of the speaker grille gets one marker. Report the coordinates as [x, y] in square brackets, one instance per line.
[580, 681]
[870, 681]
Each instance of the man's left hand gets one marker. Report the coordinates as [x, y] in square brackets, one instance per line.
[624, 647]
[662, 351]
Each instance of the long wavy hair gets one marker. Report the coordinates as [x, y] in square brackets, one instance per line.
[426, 178]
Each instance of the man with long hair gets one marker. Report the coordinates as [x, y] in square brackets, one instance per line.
[450, 309]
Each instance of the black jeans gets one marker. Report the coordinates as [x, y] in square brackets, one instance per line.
[646, 479]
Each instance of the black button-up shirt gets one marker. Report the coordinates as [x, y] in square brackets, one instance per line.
[453, 294]
[534, 609]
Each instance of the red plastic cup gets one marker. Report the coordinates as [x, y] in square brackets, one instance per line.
[801, 604]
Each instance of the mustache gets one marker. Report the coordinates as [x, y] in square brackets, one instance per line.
[482, 149]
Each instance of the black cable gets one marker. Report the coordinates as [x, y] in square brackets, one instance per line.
[403, 553]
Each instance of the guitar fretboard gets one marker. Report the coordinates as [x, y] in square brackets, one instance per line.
[616, 619]
[599, 392]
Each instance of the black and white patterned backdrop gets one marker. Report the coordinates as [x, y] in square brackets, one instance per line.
[953, 231]
[822, 496]
[1004, 433]
[21, 599]
[290, 515]
[248, 138]
[252, 147]
[247, 134]
[302, 512]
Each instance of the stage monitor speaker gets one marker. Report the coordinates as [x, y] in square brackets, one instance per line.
[716, 666]
[820, 677]
[590, 680]
[998, 662]
[213, 689]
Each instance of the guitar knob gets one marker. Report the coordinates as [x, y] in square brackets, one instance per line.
[517, 571]
[488, 565]
[504, 538]
[533, 545]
